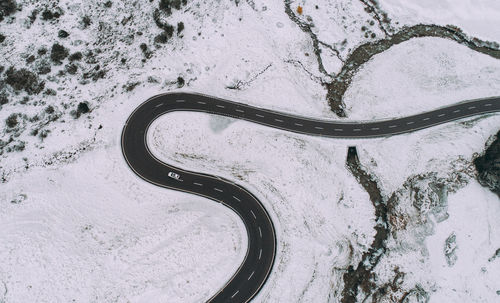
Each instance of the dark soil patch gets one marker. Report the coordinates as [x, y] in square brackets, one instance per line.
[488, 166]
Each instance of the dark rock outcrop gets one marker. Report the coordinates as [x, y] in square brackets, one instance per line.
[488, 167]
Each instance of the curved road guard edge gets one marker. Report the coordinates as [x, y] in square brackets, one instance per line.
[261, 251]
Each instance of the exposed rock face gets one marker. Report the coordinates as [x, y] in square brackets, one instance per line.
[488, 167]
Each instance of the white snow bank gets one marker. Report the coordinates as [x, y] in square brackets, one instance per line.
[93, 231]
[476, 17]
[474, 213]
[318, 208]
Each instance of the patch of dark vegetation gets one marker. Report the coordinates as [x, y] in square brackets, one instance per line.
[42, 51]
[63, 34]
[82, 108]
[180, 27]
[160, 14]
[180, 82]
[86, 21]
[50, 92]
[58, 53]
[43, 67]
[488, 166]
[362, 278]
[95, 73]
[2, 38]
[3, 98]
[76, 56]
[71, 68]
[145, 50]
[168, 5]
[12, 121]
[364, 52]
[7, 7]
[108, 4]
[30, 59]
[131, 86]
[23, 79]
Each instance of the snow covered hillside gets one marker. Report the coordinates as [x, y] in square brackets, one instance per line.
[77, 224]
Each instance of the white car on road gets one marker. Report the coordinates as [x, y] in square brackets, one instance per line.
[174, 176]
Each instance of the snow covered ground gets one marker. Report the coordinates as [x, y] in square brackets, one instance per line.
[77, 224]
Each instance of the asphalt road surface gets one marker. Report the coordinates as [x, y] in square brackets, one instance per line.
[256, 267]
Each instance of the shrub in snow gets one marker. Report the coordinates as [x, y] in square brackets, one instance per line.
[23, 79]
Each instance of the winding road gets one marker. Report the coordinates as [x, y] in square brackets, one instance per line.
[259, 259]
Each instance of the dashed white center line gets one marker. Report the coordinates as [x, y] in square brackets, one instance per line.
[357, 129]
[260, 116]
[375, 128]
[278, 120]
[471, 107]
[338, 129]
[425, 119]
[196, 183]
[235, 294]
[440, 115]
[218, 189]
[456, 111]
[253, 214]
[237, 199]
[298, 124]
[180, 101]
[260, 253]
[221, 106]
[392, 126]
[159, 105]
[201, 102]
[239, 110]
[489, 104]
[249, 277]
[318, 127]
[260, 232]
[408, 123]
